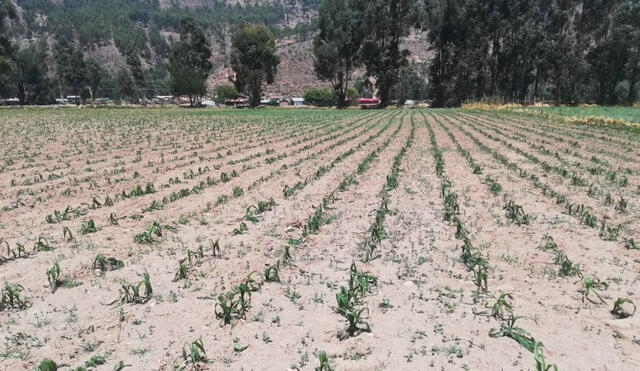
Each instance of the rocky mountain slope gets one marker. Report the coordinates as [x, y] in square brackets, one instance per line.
[108, 29]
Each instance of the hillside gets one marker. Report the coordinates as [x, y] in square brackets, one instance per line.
[108, 29]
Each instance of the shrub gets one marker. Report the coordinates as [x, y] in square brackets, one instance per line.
[321, 97]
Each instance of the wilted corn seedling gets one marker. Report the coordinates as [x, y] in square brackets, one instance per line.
[548, 244]
[215, 247]
[619, 311]
[66, 234]
[357, 324]
[132, 294]
[182, 273]
[251, 283]
[516, 214]
[196, 256]
[451, 208]
[286, 256]
[630, 243]
[113, 219]
[324, 362]
[346, 300]
[243, 293]
[103, 264]
[42, 244]
[48, 365]
[481, 274]
[360, 282]
[12, 297]
[609, 232]
[541, 362]
[241, 229]
[461, 232]
[53, 277]
[567, 267]
[592, 285]
[502, 308]
[194, 353]
[272, 273]
[237, 192]
[508, 329]
[226, 309]
[88, 226]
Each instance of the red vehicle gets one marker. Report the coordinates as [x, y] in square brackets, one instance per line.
[369, 103]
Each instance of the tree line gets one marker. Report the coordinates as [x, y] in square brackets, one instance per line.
[565, 51]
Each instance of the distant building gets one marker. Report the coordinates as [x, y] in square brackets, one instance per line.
[297, 101]
[12, 101]
[74, 99]
[369, 103]
[237, 102]
[160, 99]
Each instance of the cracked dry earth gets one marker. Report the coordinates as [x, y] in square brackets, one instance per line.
[164, 239]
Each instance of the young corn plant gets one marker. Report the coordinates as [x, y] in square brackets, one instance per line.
[591, 285]
[53, 277]
[361, 283]
[515, 213]
[88, 226]
[356, 323]
[508, 329]
[619, 311]
[48, 365]
[66, 234]
[548, 244]
[541, 362]
[631, 244]
[103, 264]
[609, 232]
[481, 275]
[42, 244]
[324, 362]
[567, 267]
[226, 309]
[272, 273]
[194, 353]
[12, 298]
[242, 229]
[139, 293]
[215, 248]
[182, 273]
[502, 308]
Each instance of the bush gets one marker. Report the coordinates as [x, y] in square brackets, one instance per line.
[321, 97]
[226, 92]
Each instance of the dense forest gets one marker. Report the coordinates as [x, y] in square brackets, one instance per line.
[519, 50]
[566, 52]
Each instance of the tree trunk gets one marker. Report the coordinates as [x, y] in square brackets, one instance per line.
[632, 95]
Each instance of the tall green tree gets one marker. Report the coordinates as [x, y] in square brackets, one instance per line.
[135, 66]
[7, 13]
[31, 75]
[386, 23]
[70, 67]
[254, 60]
[125, 84]
[96, 74]
[337, 46]
[189, 64]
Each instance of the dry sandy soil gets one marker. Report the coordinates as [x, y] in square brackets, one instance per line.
[449, 239]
